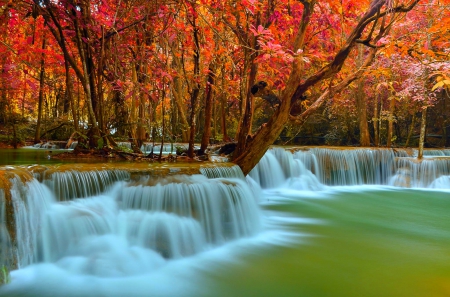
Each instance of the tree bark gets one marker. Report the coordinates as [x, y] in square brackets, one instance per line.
[37, 135]
[390, 133]
[196, 88]
[411, 129]
[376, 120]
[361, 105]
[208, 110]
[423, 130]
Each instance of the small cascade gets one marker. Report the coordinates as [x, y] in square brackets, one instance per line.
[354, 166]
[425, 173]
[171, 235]
[221, 171]
[167, 148]
[67, 225]
[280, 167]
[268, 173]
[222, 206]
[73, 145]
[23, 202]
[71, 227]
[72, 184]
[432, 152]
[308, 159]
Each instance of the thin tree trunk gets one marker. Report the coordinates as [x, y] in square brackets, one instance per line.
[163, 112]
[390, 133]
[423, 122]
[423, 130]
[69, 92]
[376, 120]
[223, 117]
[196, 89]
[37, 135]
[411, 129]
[361, 104]
[208, 111]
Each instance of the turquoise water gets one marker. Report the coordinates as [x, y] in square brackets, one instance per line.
[358, 242]
[347, 242]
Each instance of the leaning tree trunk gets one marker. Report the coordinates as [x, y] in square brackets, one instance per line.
[257, 144]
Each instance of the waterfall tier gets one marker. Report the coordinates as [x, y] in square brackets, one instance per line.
[82, 219]
[309, 169]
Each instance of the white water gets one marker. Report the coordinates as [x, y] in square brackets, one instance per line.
[132, 228]
[148, 238]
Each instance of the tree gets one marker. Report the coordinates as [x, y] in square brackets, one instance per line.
[251, 152]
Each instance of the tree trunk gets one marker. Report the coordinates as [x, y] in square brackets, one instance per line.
[196, 88]
[411, 129]
[208, 111]
[361, 104]
[296, 86]
[37, 135]
[376, 120]
[390, 134]
[245, 126]
[423, 130]
[223, 125]
[177, 92]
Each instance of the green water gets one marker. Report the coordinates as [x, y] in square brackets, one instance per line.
[27, 156]
[369, 243]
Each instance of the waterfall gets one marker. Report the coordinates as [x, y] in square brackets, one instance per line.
[312, 168]
[113, 221]
[354, 166]
[72, 184]
[432, 173]
[103, 223]
[229, 172]
[279, 167]
[22, 207]
[221, 206]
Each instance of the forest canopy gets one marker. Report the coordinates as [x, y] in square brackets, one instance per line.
[255, 72]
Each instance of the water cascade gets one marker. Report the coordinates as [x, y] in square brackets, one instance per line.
[108, 224]
[72, 184]
[314, 167]
[95, 225]
[23, 203]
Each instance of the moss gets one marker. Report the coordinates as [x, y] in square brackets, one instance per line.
[4, 275]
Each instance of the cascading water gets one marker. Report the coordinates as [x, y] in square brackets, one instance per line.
[121, 228]
[22, 208]
[113, 232]
[313, 168]
[75, 184]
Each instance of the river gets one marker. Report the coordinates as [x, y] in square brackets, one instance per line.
[311, 222]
